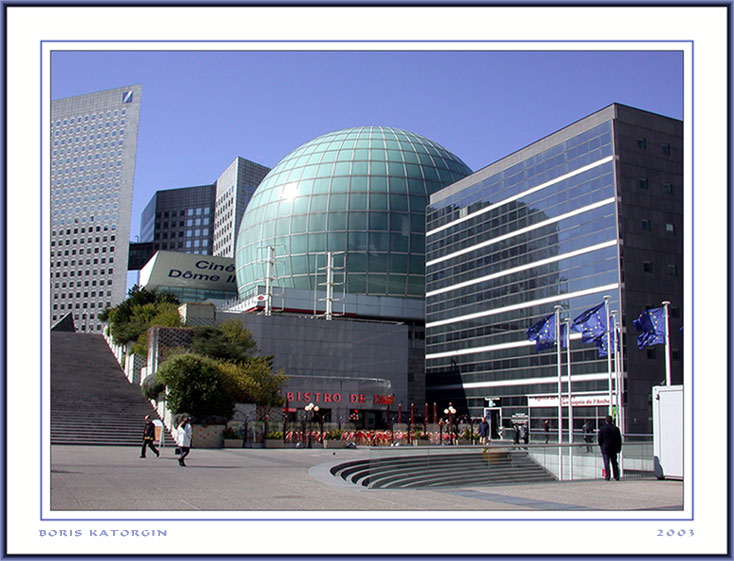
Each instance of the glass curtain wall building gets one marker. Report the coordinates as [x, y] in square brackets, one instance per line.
[93, 147]
[180, 220]
[594, 209]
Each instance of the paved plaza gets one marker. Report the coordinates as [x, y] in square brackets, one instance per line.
[116, 478]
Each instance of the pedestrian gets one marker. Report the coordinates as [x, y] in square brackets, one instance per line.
[516, 433]
[183, 439]
[610, 442]
[483, 431]
[525, 433]
[149, 437]
[588, 431]
[546, 428]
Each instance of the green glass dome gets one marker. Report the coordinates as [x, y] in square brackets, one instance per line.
[361, 191]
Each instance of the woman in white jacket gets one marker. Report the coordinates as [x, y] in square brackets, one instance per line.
[183, 439]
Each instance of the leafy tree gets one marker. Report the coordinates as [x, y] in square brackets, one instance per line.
[163, 314]
[229, 341]
[142, 309]
[152, 387]
[244, 388]
[253, 381]
[269, 384]
[196, 385]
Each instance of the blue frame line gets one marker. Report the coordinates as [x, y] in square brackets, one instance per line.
[40, 262]
[693, 291]
[491, 519]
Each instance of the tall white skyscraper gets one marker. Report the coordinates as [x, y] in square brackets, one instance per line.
[234, 190]
[93, 144]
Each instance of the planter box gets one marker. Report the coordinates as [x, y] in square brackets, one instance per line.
[333, 444]
[233, 443]
[272, 443]
[421, 442]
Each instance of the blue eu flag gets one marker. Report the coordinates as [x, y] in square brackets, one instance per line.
[602, 341]
[591, 324]
[544, 333]
[651, 325]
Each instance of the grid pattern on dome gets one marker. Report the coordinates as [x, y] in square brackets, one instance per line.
[361, 191]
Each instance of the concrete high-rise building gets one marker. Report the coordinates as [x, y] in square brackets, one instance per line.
[592, 210]
[93, 146]
[234, 189]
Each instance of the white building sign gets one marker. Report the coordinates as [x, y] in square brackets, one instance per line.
[600, 400]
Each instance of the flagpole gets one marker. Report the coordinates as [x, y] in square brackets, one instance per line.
[667, 343]
[612, 344]
[618, 374]
[560, 405]
[622, 414]
[609, 355]
[567, 321]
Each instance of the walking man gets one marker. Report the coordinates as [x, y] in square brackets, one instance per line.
[610, 442]
[183, 439]
[148, 437]
[483, 431]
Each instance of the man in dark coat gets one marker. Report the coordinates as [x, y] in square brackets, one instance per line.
[149, 437]
[610, 442]
[483, 431]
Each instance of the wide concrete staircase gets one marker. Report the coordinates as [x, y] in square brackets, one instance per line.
[92, 402]
[502, 466]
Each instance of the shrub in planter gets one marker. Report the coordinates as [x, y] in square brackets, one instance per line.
[196, 385]
[274, 440]
[152, 387]
[422, 438]
[231, 438]
[229, 433]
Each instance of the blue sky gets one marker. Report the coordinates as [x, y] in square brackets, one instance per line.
[200, 110]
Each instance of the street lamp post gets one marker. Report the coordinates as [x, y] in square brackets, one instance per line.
[311, 410]
[450, 411]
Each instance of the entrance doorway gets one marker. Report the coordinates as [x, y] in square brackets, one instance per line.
[494, 416]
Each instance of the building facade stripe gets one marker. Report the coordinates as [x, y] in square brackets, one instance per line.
[520, 195]
[503, 237]
[522, 305]
[488, 348]
[524, 381]
[521, 268]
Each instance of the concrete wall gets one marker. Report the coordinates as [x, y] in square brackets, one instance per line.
[306, 346]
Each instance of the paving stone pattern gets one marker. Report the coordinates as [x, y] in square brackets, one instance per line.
[252, 480]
